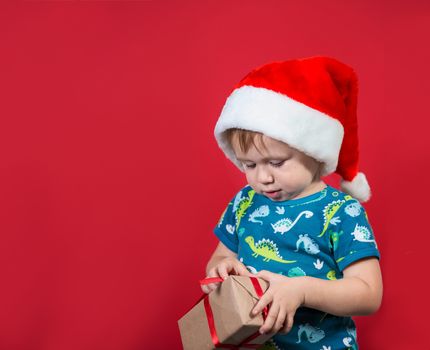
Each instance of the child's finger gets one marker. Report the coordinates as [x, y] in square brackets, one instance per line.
[222, 271]
[212, 273]
[288, 323]
[242, 271]
[280, 321]
[212, 286]
[205, 289]
[270, 319]
[264, 300]
[265, 275]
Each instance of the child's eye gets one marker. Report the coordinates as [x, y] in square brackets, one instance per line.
[278, 164]
[249, 166]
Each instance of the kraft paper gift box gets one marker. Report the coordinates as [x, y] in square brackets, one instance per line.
[223, 317]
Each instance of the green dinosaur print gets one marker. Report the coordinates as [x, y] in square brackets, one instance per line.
[334, 239]
[244, 204]
[267, 249]
[331, 275]
[329, 212]
[340, 259]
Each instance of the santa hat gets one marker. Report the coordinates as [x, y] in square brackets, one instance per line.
[308, 103]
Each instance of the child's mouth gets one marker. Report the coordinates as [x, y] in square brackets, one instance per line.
[273, 194]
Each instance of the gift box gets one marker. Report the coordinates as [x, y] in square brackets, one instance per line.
[222, 319]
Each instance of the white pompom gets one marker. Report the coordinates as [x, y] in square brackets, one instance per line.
[357, 188]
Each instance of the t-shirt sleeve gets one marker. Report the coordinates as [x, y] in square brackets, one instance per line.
[225, 229]
[352, 235]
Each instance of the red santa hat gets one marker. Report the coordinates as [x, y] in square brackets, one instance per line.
[308, 103]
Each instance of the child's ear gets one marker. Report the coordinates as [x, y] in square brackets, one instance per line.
[317, 174]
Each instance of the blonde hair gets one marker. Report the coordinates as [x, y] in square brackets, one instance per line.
[246, 138]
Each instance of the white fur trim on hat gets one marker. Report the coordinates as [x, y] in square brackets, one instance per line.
[280, 117]
[357, 188]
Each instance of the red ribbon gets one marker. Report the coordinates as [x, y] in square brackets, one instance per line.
[211, 323]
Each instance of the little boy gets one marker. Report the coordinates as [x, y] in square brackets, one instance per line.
[285, 125]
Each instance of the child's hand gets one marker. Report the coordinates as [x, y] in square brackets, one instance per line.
[226, 266]
[285, 295]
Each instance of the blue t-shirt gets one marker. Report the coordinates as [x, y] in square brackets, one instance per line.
[318, 235]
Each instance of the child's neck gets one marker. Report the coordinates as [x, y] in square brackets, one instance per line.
[314, 187]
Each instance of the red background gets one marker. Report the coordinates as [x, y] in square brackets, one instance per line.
[111, 180]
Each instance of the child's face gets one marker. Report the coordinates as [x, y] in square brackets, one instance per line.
[281, 168]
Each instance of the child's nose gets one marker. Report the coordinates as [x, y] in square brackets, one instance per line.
[264, 175]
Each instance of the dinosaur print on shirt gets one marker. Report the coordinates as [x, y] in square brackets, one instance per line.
[317, 236]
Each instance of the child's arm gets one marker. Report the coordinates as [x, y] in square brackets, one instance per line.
[221, 263]
[359, 292]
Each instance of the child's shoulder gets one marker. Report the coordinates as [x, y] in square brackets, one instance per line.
[243, 191]
[343, 205]
[337, 200]
[336, 194]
